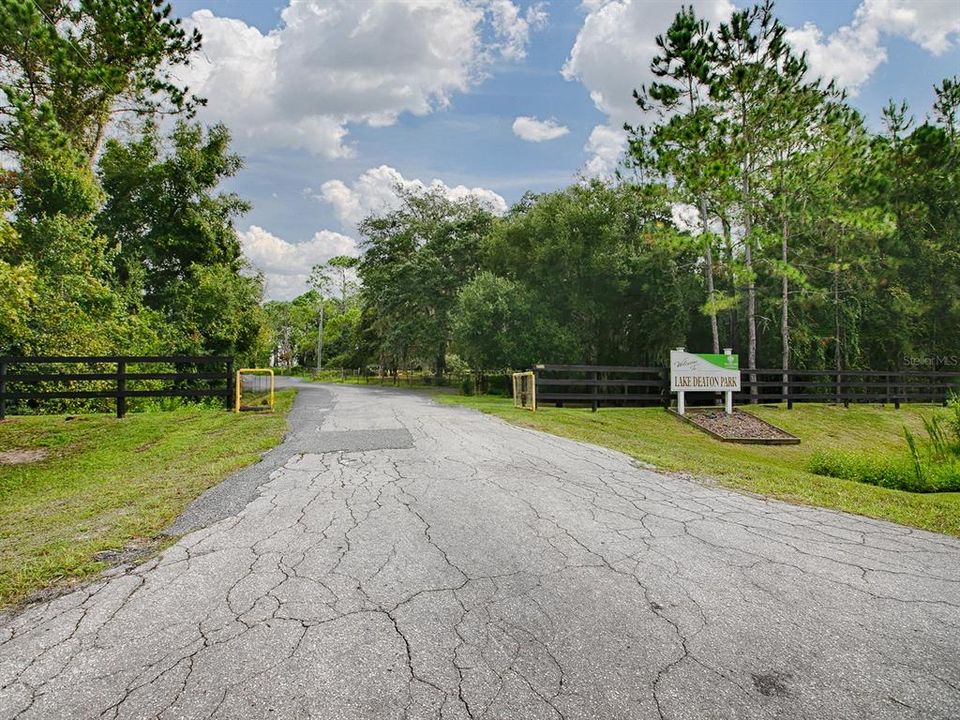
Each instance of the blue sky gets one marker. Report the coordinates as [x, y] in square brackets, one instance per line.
[310, 145]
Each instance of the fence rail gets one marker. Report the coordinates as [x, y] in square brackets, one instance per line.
[598, 385]
[31, 379]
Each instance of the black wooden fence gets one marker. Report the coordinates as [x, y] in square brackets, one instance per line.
[597, 385]
[614, 385]
[39, 380]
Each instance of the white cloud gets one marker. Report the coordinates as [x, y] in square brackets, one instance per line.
[933, 24]
[612, 52]
[849, 55]
[513, 28]
[286, 265]
[375, 191]
[686, 218]
[605, 146]
[854, 51]
[337, 62]
[533, 130]
[611, 57]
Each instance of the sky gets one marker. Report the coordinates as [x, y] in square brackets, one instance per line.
[334, 103]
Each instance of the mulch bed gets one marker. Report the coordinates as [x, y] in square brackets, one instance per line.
[739, 427]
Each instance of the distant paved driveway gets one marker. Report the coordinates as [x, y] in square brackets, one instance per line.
[412, 560]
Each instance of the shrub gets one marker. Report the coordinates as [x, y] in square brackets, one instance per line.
[954, 420]
[913, 473]
[467, 385]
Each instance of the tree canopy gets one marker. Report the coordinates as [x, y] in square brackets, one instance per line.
[754, 209]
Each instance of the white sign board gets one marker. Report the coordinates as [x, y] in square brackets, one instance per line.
[693, 372]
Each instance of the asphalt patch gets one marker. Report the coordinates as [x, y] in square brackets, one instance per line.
[357, 441]
[305, 436]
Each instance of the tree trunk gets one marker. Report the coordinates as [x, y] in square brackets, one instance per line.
[784, 289]
[751, 284]
[785, 314]
[838, 351]
[441, 362]
[97, 142]
[734, 327]
[708, 246]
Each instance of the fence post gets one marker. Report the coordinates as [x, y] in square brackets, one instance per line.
[897, 390]
[789, 390]
[594, 390]
[121, 388]
[228, 400]
[3, 390]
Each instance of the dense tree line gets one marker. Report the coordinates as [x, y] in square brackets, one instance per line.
[109, 244]
[754, 210]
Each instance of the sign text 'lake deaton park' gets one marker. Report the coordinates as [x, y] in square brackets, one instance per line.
[690, 372]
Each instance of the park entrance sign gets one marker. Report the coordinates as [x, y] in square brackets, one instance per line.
[703, 372]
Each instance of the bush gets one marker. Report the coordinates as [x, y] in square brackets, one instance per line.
[954, 418]
[467, 385]
[897, 473]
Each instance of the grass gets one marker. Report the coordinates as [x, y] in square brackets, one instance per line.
[107, 484]
[782, 472]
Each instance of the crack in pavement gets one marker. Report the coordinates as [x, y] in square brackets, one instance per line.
[394, 558]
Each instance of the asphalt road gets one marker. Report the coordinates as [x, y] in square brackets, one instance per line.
[396, 558]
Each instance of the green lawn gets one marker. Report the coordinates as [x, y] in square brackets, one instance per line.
[649, 434]
[107, 483]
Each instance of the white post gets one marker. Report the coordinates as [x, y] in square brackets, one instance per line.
[681, 405]
[729, 403]
[320, 338]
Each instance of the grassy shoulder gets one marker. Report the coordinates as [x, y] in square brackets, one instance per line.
[106, 484]
[782, 472]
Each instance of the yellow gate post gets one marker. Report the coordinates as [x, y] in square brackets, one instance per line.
[238, 402]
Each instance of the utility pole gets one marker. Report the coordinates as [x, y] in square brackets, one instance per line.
[320, 338]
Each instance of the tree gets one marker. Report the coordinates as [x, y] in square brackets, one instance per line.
[497, 325]
[80, 63]
[946, 108]
[685, 140]
[172, 233]
[615, 254]
[215, 310]
[756, 76]
[17, 285]
[340, 270]
[805, 119]
[415, 262]
[163, 213]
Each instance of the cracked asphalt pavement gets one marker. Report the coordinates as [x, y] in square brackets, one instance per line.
[395, 558]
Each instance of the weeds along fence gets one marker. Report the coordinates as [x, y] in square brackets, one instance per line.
[39, 385]
[609, 385]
